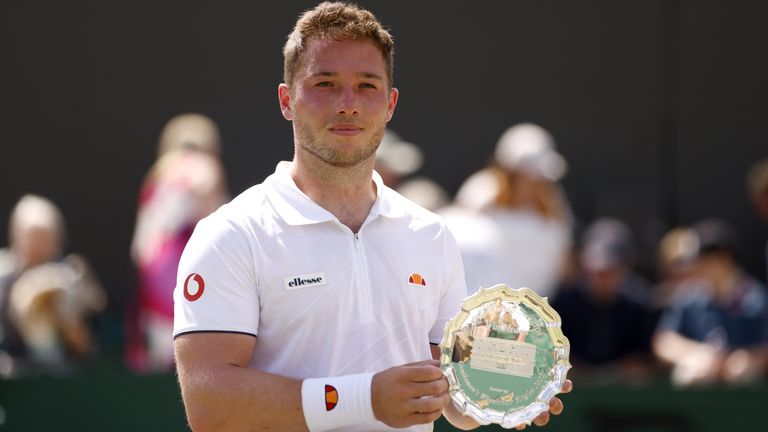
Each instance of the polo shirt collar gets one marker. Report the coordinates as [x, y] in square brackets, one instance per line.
[296, 208]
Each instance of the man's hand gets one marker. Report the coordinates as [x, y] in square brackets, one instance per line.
[415, 393]
[555, 407]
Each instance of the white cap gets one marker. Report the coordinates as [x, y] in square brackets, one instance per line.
[190, 132]
[425, 193]
[530, 148]
[398, 156]
[479, 190]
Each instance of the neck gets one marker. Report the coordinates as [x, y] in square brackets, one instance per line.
[347, 192]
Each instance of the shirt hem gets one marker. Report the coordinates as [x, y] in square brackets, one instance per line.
[212, 331]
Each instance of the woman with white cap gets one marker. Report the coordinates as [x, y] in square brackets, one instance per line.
[512, 219]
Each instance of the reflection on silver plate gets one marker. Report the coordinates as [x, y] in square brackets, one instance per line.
[505, 356]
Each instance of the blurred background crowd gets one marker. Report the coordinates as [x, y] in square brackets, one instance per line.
[699, 316]
[609, 155]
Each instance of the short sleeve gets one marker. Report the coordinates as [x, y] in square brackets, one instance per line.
[216, 285]
[756, 313]
[672, 318]
[455, 288]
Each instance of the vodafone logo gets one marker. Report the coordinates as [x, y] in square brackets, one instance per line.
[194, 287]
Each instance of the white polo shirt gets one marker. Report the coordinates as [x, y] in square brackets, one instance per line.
[322, 300]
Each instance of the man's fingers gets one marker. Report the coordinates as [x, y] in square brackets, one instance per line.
[429, 404]
[428, 417]
[429, 362]
[423, 373]
[431, 388]
[567, 386]
[541, 419]
[555, 406]
[415, 393]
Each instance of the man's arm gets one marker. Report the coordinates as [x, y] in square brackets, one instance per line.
[670, 346]
[701, 362]
[692, 361]
[221, 393]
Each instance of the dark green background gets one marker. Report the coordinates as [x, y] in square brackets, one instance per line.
[117, 401]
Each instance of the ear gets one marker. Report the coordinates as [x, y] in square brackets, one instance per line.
[393, 95]
[284, 96]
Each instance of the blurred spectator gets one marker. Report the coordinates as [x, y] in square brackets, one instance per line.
[46, 299]
[608, 257]
[185, 184]
[676, 256]
[397, 161]
[717, 328]
[605, 314]
[512, 220]
[425, 193]
[757, 182]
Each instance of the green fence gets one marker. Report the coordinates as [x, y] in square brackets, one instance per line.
[118, 401]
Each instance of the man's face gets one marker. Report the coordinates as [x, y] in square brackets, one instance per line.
[604, 283]
[340, 101]
[34, 244]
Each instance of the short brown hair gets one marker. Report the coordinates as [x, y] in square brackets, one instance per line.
[339, 21]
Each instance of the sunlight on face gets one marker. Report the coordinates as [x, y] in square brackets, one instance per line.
[341, 101]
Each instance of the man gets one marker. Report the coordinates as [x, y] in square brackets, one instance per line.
[605, 313]
[757, 182]
[716, 328]
[46, 298]
[308, 302]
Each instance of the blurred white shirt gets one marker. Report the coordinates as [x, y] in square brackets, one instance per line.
[516, 247]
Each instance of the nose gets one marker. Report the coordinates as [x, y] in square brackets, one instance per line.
[348, 102]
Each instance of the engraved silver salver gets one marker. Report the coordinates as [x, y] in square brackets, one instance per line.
[505, 356]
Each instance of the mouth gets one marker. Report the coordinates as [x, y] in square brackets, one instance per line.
[345, 129]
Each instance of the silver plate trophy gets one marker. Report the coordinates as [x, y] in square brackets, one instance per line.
[505, 356]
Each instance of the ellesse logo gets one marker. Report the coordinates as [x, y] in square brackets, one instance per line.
[331, 397]
[304, 281]
[417, 279]
[194, 286]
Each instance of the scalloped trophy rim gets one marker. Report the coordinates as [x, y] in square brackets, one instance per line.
[540, 305]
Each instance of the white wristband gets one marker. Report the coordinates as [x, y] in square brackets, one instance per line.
[332, 403]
